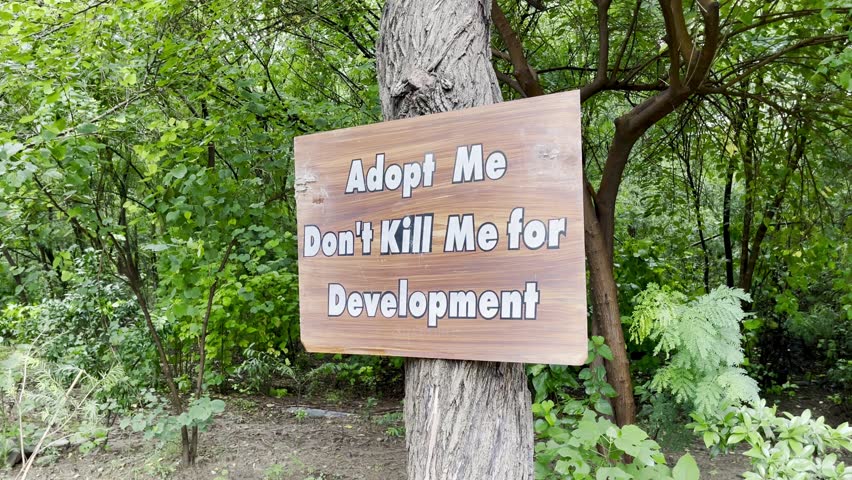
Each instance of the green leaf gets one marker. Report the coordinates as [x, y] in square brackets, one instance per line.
[138, 423]
[562, 467]
[87, 128]
[184, 420]
[199, 413]
[605, 352]
[603, 406]
[218, 406]
[179, 171]
[7, 150]
[630, 439]
[686, 469]
[53, 97]
[710, 438]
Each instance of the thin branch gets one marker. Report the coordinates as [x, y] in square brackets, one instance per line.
[510, 81]
[763, 20]
[31, 142]
[500, 54]
[603, 53]
[525, 74]
[628, 35]
[768, 59]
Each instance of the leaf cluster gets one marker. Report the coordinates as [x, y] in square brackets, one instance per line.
[701, 342]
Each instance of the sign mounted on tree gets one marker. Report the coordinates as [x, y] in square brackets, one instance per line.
[456, 235]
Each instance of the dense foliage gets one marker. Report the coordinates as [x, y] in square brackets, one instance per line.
[147, 218]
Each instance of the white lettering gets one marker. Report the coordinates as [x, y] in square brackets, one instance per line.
[336, 299]
[468, 167]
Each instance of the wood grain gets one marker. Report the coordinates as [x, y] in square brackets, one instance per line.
[540, 138]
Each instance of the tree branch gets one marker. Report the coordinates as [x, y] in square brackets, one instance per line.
[627, 36]
[510, 81]
[768, 59]
[603, 53]
[527, 78]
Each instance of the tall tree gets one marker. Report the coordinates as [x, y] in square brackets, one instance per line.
[672, 53]
[464, 420]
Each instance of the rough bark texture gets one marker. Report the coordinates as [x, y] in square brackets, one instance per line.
[464, 420]
[467, 420]
[607, 317]
[434, 56]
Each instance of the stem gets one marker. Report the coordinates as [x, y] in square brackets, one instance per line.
[29, 463]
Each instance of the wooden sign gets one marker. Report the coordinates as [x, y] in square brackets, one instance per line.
[456, 235]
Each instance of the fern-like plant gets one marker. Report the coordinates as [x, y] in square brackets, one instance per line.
[42, 403]
[702, 343]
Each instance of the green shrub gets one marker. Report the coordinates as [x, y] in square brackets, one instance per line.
[786, 447]
[840, 377]
[157, 421]
[94, 327]
[42, 401]
[575, 441]
[259, 312]
[259, 369]
[664, 418]
[361, 372]
[702, 344]
[589, 446]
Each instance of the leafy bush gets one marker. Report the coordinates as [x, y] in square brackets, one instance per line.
[41, 401]
[664, 418]
[258, 370]
[589, 446]
[840, 377]
[575, 441]
[157, 421]
[355, 371]
[259, 311]
[93, 327]
[560, 383]
[701, 341]
[786, 447]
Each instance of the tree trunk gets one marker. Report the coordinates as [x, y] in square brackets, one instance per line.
[747, 152]
[464, 420]
[694, 187]
[726, 224]
[607, 318]
[599, 228]
[16, 276]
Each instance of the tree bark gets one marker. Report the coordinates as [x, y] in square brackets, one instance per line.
[726, 224]
[748, 208]
[464, 420]
[695, 189]
[607, 318]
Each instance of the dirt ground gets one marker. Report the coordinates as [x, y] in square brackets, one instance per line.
[258, 438]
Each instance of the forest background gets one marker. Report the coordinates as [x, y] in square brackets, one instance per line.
[147, 217]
